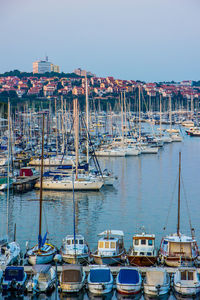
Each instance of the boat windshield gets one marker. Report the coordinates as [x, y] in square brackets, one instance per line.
[187, 275]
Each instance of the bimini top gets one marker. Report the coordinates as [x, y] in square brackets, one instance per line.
[112, 232]
[14, 273]
[128, 276]
[100, 275]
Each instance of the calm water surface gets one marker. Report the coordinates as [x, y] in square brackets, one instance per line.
[145, 194]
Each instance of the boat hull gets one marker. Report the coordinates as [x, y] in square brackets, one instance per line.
[177, 262]
[106, 260]
[142, 261]
[100, 288]
[71, 259]
[187, 290]
[155, 291]
[128, 289]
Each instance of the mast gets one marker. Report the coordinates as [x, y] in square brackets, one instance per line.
[76, 125]
[87, 117]
[8, 170]
[139, 116]
[170, 113]
[179, 195]
[160, 116]
[41, 178]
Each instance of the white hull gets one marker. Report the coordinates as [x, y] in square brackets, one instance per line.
[12, 256]
[71, 287]
[156, 291]
[41, 258]
[68, 185]
[111, 153]
[128, 288]
[100, 288]
[149, 150]
[187, 290]
[132, 152]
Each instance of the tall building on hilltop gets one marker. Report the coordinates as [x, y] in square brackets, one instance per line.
[43, 66]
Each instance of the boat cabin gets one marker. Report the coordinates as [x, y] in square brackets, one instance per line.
[69, 240]
[112, 243]
[185, 274]
[177, 246]
[144, 244]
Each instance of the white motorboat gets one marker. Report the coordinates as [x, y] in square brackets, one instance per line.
[100, 280]
[129, 281]
[156, 282]
[72, 278]
[10, 252]
[186, 281]
[44, 279]
[75, 253]
[176, 137]
[110, 248]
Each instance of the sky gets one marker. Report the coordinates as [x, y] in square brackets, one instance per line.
[149, 40]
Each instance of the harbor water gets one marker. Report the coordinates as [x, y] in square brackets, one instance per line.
[144, 197]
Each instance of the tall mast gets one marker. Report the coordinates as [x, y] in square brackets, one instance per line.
[76, 128]
[179, 195]
[160, 116]
[139, 117]
[8, 170]
[41, 177]
[87, 117]
[122, 120]
[170, 113]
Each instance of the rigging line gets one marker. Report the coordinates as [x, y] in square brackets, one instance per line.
[188, 210]
[171, 201]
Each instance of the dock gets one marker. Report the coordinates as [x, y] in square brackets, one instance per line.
[23, 184]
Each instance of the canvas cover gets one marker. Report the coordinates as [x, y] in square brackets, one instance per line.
[156, 277]
[14, 273]
[177, 248]
[72, 274]
[100, 275]
[41, 268]
[127, 276]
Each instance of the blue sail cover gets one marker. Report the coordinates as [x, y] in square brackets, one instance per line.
[100, 275]
[127, 276]
[14, 273]
[41, 241]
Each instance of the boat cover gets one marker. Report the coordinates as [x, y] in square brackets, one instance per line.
[100, 275]
[127, 276]
[41, 268]
[71, 273]
[14, 273]
[155, 277]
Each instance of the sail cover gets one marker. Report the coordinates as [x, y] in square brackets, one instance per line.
[100, 275]
[155, 277]
[127, 276]
[72, 274]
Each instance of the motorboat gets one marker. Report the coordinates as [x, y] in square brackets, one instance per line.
[156, 282]
[14, 279]
[129, 281]
[43, 281]
[77, 252]
[143, 251]
[186, 281]
[72, 278]
[110, 248]
[100, 280]
[9, 252]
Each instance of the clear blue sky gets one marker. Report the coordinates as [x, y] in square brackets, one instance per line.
[151, 40]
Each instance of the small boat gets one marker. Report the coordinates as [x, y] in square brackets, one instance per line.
[100, 280]
[110, 248]
[43, 280]
[186, 281]
[9, 252]
[78, 253]
[129, 281]
[143, 251]
[72, 278]
[156, 282]
[14, 279]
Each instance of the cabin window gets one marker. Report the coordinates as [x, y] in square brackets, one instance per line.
[101, 245]
[136, 242]
[75, 242]
[68, 242]
[134, 253]
[141, 253]
[107, 245]
[112, 245]
[143, 242]
[80, 242]
[150, 242]
[148, 253]
[186, 275]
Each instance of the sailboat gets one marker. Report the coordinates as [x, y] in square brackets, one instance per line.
[9, 251]
[43, 252]
[177, 248]
[74, 247]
